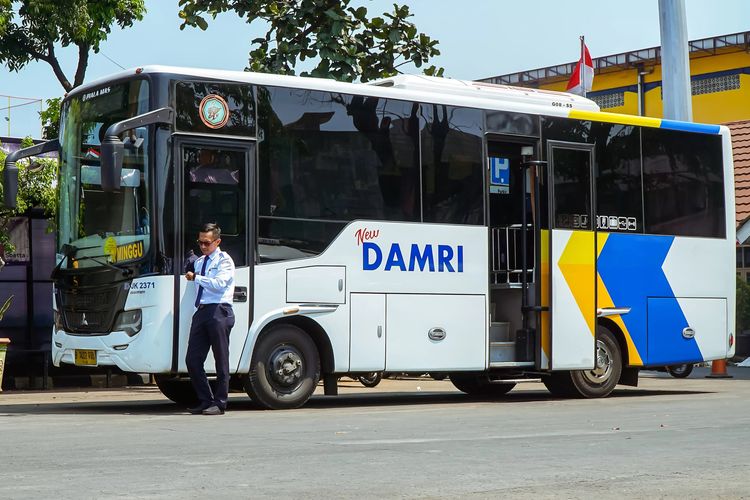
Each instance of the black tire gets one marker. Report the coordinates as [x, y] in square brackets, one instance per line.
[596, 383]
[680, 371]
[478, 384]
[178, 390]
[371, 379]
[284, 370]
[559, 384]
[438, 376]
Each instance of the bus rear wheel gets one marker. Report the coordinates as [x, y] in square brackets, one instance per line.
[598, 382]
[284, 370]
[178, 390]
[477, 384]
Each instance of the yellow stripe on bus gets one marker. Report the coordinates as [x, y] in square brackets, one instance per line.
[643, 121]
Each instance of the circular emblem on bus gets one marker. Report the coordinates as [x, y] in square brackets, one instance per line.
[214, 111]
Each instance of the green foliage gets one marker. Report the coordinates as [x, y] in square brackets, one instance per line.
[51, 118]
[30, 29]
[743, 305]
[347, 43]
[36, 189]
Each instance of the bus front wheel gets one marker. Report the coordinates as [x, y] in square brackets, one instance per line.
[178, 390]
[284, 370]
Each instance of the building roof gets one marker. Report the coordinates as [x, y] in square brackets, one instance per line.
[634, 59]
[741, 152]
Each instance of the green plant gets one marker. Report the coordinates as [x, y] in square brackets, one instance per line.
[743, 305]
[51, 118]
[36, 189]
[345, 41]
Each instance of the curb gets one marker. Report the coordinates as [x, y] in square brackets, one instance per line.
[99, 381]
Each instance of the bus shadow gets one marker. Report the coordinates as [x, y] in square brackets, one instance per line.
[317, 402]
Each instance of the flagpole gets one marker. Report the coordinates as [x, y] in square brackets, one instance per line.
[583, 66]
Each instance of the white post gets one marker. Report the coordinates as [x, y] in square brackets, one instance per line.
[583, 66]
[675, 61]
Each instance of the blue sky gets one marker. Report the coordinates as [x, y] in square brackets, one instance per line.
[478, 38]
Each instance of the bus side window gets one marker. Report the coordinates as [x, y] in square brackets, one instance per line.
[683, 183]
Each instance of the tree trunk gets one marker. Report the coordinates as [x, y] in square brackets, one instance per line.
[83, 62]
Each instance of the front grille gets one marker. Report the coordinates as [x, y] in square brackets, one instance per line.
[87, 300]
[86, 321]
[90, 312]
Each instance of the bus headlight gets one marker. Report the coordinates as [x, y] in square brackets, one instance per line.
[128, 322]
[58, 321]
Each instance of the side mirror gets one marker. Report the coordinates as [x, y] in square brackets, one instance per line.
[112, 151]
[10, 183]
[112, 148]
[10, 174]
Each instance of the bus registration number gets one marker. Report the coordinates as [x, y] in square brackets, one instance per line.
[85, 357]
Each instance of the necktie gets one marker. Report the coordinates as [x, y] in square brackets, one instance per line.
[200, 288]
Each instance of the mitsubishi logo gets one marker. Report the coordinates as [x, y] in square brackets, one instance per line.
[83, 320]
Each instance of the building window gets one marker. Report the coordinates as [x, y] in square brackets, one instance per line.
[715, 84]
[613, 100]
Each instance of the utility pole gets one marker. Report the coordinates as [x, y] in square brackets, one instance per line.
[675, 61]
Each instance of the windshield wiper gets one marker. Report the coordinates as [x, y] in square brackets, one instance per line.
[125, 271]
[68, 251]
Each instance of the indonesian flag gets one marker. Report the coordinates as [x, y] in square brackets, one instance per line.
[575, 85]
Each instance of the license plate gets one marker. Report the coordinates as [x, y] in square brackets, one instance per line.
[85, 357]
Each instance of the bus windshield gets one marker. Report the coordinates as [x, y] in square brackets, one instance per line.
[98, 228]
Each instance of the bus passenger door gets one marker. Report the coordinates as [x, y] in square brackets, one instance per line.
[571, 257]
[214, 185]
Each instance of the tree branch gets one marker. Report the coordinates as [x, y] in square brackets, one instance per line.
[83, 62]
[52, 61]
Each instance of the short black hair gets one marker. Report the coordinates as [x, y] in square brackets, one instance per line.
[211, 227]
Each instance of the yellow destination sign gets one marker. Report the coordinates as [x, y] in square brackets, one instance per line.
[129, 251]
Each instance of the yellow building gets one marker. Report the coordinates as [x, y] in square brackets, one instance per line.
[631, 82]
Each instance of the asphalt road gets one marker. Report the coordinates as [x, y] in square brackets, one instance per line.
[411, 438]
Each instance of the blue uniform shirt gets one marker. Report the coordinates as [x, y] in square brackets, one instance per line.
[218, 281]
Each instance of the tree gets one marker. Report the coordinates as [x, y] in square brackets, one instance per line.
[743, 305]
[30, 30]
[347, 44]
[51, 118]
[36, 188]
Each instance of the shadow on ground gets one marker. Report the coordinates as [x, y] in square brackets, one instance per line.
[359, 400]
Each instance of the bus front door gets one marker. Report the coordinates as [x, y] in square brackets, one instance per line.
[215, 179]
[568, 334]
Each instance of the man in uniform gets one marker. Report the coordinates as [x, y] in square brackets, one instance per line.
[212, 321]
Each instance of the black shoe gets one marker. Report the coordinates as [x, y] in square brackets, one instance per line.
[213, 410]
[197, 410]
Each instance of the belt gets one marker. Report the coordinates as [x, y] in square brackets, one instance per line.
[203, 306]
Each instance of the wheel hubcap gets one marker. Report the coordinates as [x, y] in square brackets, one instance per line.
[286, 366]
[603, 368]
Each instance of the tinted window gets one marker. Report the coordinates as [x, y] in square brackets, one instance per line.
[565, 129]
[334, 158]
[239, 99]
[683, 183]
[572, 188]
[453, 177]
[215, 192]
[505, 122]
[618, 177]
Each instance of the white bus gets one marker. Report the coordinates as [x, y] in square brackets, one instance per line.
[411, 225]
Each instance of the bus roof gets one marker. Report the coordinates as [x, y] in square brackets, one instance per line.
[403, 87]
[428, 89]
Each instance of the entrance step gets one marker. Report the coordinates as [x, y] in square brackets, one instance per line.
[501, 352]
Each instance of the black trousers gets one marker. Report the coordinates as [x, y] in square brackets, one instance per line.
[210, 328]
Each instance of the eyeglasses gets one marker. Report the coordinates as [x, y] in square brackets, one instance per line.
[207, 243]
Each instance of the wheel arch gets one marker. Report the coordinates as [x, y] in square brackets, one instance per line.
[316, 333]
[629, 374]
[619, 335]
